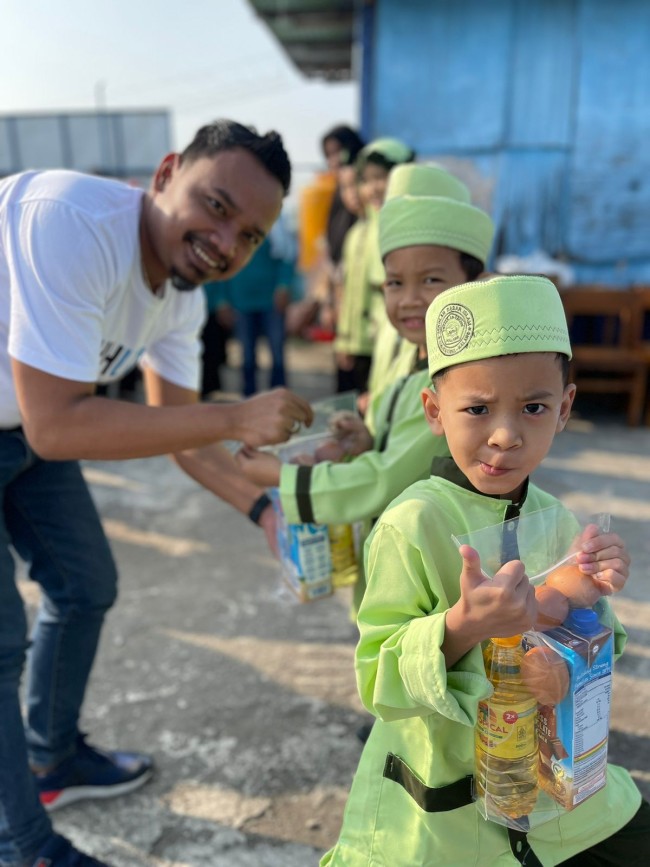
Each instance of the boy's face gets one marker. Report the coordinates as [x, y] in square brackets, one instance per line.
[500, 416]
[414, 277]
[372, 186]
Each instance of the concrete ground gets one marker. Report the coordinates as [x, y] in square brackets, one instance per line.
[247, 698]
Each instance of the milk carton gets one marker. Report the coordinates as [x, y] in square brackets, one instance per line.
[573, 734]
[305, 555]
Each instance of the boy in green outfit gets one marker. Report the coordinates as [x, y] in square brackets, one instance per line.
[356, 326]
[392, 355]
[429, 244]
[498, 355]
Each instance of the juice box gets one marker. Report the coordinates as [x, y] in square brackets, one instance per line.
[305, 555]
[573, 734]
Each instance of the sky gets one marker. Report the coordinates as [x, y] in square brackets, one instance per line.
[201, 59]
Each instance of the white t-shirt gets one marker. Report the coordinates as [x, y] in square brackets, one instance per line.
[73, 301]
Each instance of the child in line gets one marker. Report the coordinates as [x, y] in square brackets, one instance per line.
[392, 355]
[357, 304]
[498, 357]
[452, 240]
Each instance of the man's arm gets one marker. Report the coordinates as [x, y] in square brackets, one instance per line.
[63, 419]
[212, 466]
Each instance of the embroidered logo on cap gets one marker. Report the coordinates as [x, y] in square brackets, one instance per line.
[454, 328]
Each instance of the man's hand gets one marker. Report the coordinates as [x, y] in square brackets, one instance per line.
[270, 418]
[261, 468]
[225, 316]
[604, 557]
[281, 298]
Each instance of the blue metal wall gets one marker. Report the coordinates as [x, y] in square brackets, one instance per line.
[542, 106]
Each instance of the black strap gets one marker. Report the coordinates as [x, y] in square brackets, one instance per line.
[255, 512]
[391, 412]
[509, 541]
[439, 800]
[520, 848]
[445, 798]
[303, 496]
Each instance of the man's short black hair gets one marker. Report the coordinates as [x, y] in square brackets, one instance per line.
[226, 135]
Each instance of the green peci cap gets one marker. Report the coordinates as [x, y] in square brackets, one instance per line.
[425, 179]
[499, 316]
[410, 221]
[391, 149]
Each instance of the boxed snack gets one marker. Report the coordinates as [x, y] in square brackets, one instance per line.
[573, 732]
[316, 558]
[305, 556]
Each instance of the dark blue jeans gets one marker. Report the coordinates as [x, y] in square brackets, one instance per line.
[50, 520]
[248, 329]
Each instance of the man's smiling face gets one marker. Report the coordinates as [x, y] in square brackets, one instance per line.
[209, 216]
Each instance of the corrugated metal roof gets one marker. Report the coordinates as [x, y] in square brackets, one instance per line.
[317, 35]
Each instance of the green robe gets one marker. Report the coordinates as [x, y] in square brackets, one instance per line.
[426, 713]
[354, 329]
[392, 358]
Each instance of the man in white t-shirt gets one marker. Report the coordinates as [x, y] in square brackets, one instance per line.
[95, 277]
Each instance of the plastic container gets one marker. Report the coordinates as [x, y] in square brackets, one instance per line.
[506, 748]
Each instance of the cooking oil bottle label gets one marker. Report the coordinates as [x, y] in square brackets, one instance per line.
[507, 731]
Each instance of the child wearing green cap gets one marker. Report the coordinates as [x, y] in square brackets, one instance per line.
[356, 326]
[498, 357]
[452, 241]
[393, 355]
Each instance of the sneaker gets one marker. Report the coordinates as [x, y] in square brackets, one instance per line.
[92, 773]
[59, 852]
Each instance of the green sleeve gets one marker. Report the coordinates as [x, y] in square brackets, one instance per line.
[400, 667]
[331, 493]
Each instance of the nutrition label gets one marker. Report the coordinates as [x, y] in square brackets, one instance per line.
[591, 721]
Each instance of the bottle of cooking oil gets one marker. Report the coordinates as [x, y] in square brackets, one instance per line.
[506, 737]
[344, 558]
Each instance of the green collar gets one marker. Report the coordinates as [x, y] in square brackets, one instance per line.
[420, 363]
[445, 467]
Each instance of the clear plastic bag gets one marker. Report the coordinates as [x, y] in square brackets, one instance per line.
[541, 738]
[545, 540]
[316, 558]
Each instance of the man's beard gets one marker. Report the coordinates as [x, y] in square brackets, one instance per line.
[181, 283]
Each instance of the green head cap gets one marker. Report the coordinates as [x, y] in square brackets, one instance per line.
[391, 150]
[425, 179]
[410, 221]
[499, 316]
